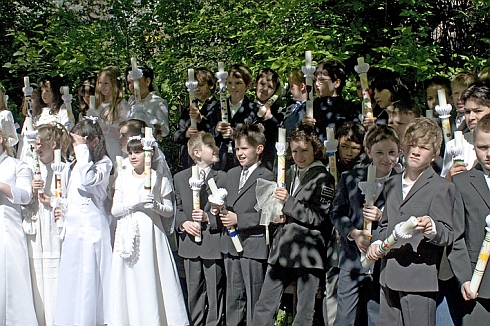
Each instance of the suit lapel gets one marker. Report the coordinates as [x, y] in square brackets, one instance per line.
[477, 180]
[251, 180]
[419, 183]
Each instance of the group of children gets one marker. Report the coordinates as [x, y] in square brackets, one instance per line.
[65, 264]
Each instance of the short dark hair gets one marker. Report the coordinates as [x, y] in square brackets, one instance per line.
[390, 80]
[147, 73]
[252, 132]
[203, 75]
[334, 69]
[271, 75]
[439, 81]
[241, 72]
[91, 129]
[408, 107]
[352, 131]
[478, 92]
[305, 132]
[378, 133]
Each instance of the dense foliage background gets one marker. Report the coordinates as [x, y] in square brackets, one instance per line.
[75, 39]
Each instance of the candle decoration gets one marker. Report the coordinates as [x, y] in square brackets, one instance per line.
[217, 197]
[191, 88]
[457, 150]
[148, 142]
[444, 112]
[222, 75]
[57, 181]
[136, 74]
[404, 231]
[27, 89]
[362, 68]
[195, 183]
[66, 97]
[481, 264]
[331, 145]
[309, 71]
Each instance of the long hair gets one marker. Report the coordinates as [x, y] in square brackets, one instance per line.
[56, 132]
[110, 113]
[91, 129]
[87, 87]
[54, 84]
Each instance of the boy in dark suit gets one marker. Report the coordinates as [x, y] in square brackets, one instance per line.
[244, 271]
[409, 271]
[348, 213]
[469, 228]
[299, 244]
[203, 261]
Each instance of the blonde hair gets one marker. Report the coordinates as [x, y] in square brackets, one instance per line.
[423, 131]
[56, 132]
[3, 100]
[110, 113]
[197, 140]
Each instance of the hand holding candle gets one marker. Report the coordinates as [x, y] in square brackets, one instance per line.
[481, 264]
[195, 183]
[444, 112]
[148, 143]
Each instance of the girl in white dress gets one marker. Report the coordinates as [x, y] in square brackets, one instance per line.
[85, 267]
[145, 287]
[43, 240]
[16, 300]
[7, 120]
[54, 109]
[112, 109]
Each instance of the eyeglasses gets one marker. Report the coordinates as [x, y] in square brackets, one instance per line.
[323, 80]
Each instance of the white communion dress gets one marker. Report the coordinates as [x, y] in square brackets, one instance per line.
[145, 287]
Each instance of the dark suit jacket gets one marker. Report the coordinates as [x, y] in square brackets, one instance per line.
[300, 242]
[346, 215]
[211, 115]
[208, 248]
[412, 265]
[333, 112]
[472, 206]
[250, 232]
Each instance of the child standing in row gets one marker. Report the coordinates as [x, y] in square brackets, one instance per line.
[7, 120]
[51, 106]
[85, 267]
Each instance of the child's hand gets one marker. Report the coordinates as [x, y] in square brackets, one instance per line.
[372, 213]
[199, 215]
[224, 128]
[424, 224]
[57, 214]
[191, 228]
[466, 292]
[372, 252]
[229, 219]
[195, 114]
[78, 140]
[215, 209]
[368, 121]
[456, 168]
[361, 237]
[281, 194]
[45, 199]
[309, 120]
[37, 184]
[190, 131]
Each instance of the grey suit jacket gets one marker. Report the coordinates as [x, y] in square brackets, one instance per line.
[412, 265]
[250, 232]
[208, 248]
[300, 242]
[472, 206]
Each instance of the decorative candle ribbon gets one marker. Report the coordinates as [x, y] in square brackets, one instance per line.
[481, 264]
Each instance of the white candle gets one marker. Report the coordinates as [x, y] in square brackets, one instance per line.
[221, 66]
[441, 94]
[360, 60]
[458, 139]
[330, 134]
[429, 114]
[190, 75]
[29, 124]
[92, 103]
[371, 173]
[26, 82]
[65, 90]
[282, 135]
[119, 162]
[134, 66]
[195, 172]
[213, 187]
[148, 133]
[308, 58]
[57, 156]
[409, 225]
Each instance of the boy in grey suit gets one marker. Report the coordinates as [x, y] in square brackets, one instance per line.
[473, 205]
[203, 262]
[409, 270]
[358, 289]
[244, 271]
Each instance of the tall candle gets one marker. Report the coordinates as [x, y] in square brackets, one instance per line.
[57, 156]
[308, 58]
[92, 103]
[330, 134]
[195, 172]
[119, 162]
[360, 60]
[148, 133]
[282, 135]
[190, 75]
[429, 114]
[458, 139]
[213, 187]
[26, 82]
[134, 65]
[65, 90]
[441, 94]
[29, 124]
[221, 66]
[371, 173]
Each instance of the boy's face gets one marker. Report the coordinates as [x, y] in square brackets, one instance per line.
[456, 91]
[247, 154]
[399, 121]
[382, 98]
[236, 88]
[298, 91]
[482, 148]
[384, 155]
[473, 112]
[208, 153]
[432, 98]
[144, 83]
[302, 152]
[348, 150]
[265, 89]
[325, 86]
[203, 91]
[419, 156]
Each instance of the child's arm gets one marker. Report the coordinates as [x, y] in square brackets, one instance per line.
[183, 224]
[162, 202]
[20, 192]
[8, 127]
[91, 174]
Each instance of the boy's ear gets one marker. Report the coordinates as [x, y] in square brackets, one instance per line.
[259, 149]
[53, 144]
[249, 85]
[96, 141]
[368, 151]
[197, 152]
[147, 81]
[336, 83]
[303, 88]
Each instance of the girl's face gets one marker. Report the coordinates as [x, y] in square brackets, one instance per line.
[123, 138]
[236, 88]
[45, 150]
[105, 87]
[137, 159]
[47, 94]
[348, 150]
[383, 98]
[302, 152]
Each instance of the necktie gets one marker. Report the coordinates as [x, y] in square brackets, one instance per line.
[202, 175]
[243, 179]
